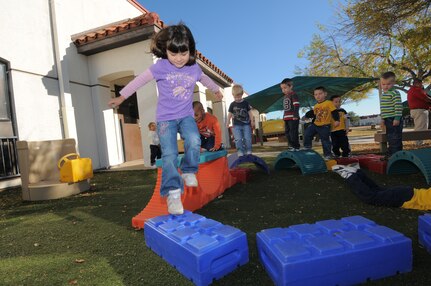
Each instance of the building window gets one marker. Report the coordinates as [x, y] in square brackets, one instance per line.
[4, 94]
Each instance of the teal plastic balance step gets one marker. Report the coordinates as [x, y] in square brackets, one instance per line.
[203, 158]
[410, 162]
[309, 161]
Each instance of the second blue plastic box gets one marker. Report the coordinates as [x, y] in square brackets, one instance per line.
[333, 252]
[424, 231]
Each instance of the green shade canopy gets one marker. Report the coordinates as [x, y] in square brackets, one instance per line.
[271, 98]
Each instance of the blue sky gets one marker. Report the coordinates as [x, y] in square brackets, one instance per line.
[256, 45]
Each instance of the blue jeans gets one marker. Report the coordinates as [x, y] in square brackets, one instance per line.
[167, 131]
[324, 132]
[242, 134]
[394, 135]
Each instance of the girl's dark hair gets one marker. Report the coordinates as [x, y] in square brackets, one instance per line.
[176, 39]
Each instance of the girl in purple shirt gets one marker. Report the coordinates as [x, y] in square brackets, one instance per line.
[176, 73]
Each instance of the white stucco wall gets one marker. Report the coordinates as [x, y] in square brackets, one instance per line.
[86, 81]
[30, 50]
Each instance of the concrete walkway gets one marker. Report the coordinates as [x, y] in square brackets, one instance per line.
[139, 164]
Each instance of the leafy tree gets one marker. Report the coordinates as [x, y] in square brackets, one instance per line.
[354, 118]
[371, 37]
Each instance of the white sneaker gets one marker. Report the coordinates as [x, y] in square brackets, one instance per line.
[342, 171]
[353, 166]
[175, 206]
[190, 179]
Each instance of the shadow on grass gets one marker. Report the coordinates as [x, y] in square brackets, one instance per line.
[95, 228]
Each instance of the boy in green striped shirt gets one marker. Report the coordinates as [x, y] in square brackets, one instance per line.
[391, 113]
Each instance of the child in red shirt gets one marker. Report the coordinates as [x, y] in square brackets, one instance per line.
[209, 128]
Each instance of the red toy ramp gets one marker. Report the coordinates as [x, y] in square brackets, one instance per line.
[213, 177]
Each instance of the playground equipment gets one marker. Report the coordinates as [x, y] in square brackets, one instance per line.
[410, 162]
[309, 161]
[39, 172]
[234, 160]
[424, 231]
[214, 178]
[199, 248]
[333, 252]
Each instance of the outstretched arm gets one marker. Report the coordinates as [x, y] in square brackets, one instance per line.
[131, 88]
[206, 81]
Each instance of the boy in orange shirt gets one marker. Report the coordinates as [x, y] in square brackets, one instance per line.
[209, 128]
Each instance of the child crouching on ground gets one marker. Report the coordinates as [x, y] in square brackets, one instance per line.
[209, 128]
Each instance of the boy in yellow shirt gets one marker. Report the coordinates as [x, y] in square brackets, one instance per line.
[339, 137]
[324, 111]
[369, 192]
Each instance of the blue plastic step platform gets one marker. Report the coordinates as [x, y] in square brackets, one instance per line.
[424, 231]
[333, 252]
[199, 248]
[309, 161]
[234, 160]
[203, 157]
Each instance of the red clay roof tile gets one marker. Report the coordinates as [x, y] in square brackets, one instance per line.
[150, 18]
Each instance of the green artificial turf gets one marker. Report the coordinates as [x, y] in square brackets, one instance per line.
[88, 239]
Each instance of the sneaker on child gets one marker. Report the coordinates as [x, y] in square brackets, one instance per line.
[328, 157]
[175, 206]
[342, 171]
[190, 179]
[355, 166]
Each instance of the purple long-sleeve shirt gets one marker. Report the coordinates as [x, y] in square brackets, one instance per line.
[175, 85]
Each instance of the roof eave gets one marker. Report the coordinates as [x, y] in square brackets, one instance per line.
[224, 82]
[140, 33]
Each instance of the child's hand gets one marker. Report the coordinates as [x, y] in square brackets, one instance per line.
[115, 101]
[395, 123]
[336, 123]
[382, 125]
[218, 95]
[253, 125]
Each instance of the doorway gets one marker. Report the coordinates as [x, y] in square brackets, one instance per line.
[128, 115]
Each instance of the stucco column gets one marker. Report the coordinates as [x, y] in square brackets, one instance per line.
[108, 133]
[220, 111]
[200, 95]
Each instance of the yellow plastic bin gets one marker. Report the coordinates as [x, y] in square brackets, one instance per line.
[39, 172]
